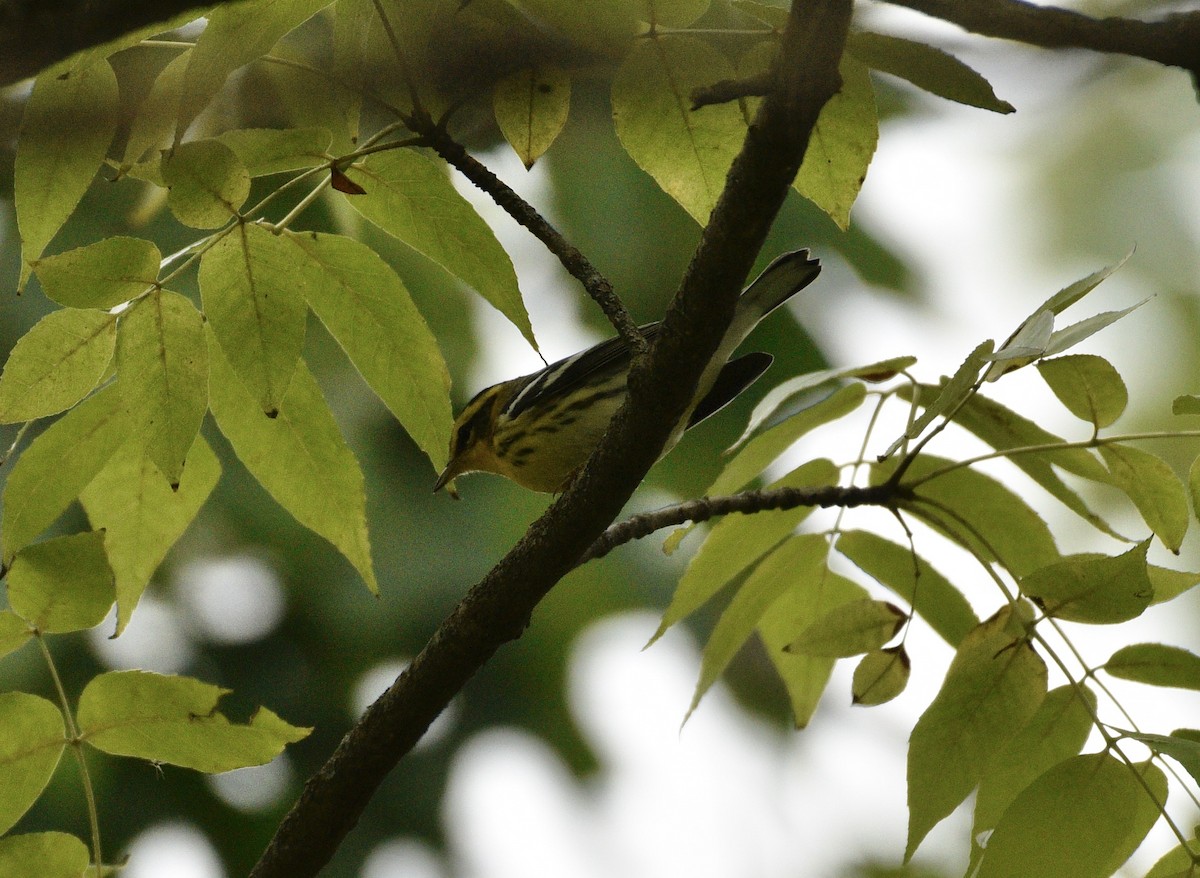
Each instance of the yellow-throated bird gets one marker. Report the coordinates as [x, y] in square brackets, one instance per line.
[539, 429]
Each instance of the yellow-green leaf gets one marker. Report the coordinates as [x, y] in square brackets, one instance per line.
[1186, 405]
[531, 107]
[1170, 584]
[142, 515]
[1156, 664]
[100, 275]
[32, 738]
[65, 134]
[155, 121]
[57, 465]
[299, 456]
[253, 297]
[266, 151]
[1089, 386]
[44, 854]
[14, 631]
[687, 152]
[953, 394]
[1098, 589]
[56, 364]
[175, 720]
[1154, 489]
[850, 629]
[1178, 862]
[63, 584]
[671, 13]
[207, 181]
[1182, 745]
[880, 676]
[366, 307]
[411, 198]
[162, 361]
[994, 685]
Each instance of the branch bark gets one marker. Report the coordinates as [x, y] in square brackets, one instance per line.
[499, 607]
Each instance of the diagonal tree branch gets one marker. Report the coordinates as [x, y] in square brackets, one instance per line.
[499, 607]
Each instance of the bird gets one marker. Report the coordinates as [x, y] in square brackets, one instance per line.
[538, 430]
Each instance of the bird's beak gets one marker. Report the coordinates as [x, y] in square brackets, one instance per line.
[446, 480]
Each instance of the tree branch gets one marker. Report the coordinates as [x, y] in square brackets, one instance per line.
[499, 607]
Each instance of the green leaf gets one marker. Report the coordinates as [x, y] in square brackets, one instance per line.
[1097, 589]
[162, 361]
[927, 68]
[44, 854]
[57, 465]
[142, 515]
[14, 632]
[65, 133]
[880, 676]
[850, 629]
[1056, 732]
[1088, 811]
[298, 456]
[100, 275]
[993, 687]
[1181, 745]
[1069, 336]
[954, 393]
[155, 121]
[736, 542]
[266, 151]
[410, 198]
[804, 676]
[1186, 405]
[1178, 862]
[671, 13]
[56, 364]
[237, 33]
[1017, 536]
[911, 577]
[252, 293]
[32, 738]
[366, 307]
[687, 152]
[531, 107]
[1023, 347]
[63, 584]
[778, 396]
[175, 720]
[842, 145]
[793, 562]
[1089, 386]
[1156, 664]
[1194, 485]
[1072, 293]
[1169, 584]
[126, 40]
[1154, 489]
[208, 183]
[763, 449]
[775, 16]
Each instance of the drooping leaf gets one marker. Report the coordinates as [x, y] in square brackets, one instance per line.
[162, 361]
[266, 151]
[410, 198]
[687, 152]
[1089, 386]
[911, 577]
[1156, 664]
[63, 584]
[1154, 489]
[237, 33]
[531, 107]
[142, 516]
[56, 364]
[299, 456]
[366, 307]
[1056, 732]
[850, 629]
[57, 465]
[100, 275]
[792, 563]
[208, 183]
[176, 720]
[954, 393]
[45, 854]
[253, 299]
[763, 449]
[927, 68]
[1097, 589]
[736, 542]
[1089, 811]
[14, 632]
[66, 130]
[32, 738]
[880, 676]
[804, 676]
[993, 687]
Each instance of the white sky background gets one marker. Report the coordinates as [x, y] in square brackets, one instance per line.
[728, 795]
